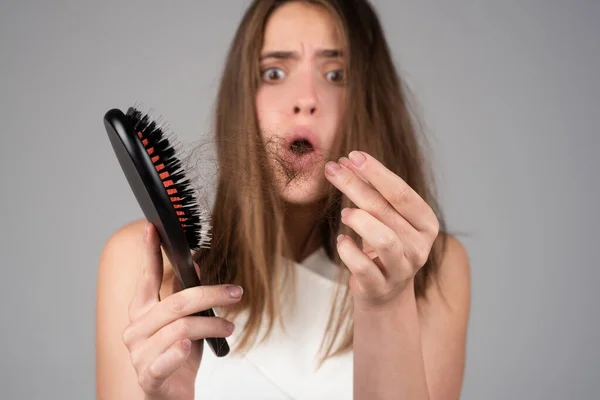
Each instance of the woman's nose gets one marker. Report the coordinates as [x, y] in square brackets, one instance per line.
[306, 100]
[305, 108]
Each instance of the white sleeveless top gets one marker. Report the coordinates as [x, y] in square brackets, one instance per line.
[281, 367]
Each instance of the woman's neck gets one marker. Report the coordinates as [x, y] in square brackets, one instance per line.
[300, 222]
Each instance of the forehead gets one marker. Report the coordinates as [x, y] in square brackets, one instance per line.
[297, 25]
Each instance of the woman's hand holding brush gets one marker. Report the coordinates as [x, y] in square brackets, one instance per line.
[163, 338]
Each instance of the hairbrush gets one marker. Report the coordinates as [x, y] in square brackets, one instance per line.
[154, 171]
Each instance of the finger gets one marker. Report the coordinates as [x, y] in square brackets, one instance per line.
[369, 199]
[368, 249]
[166, 364]
[193, 328]
[367, 275]
[148, 287]
[388, 246]
[178, 305]
[404, 199]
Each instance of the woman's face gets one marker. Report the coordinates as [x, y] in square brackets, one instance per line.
[301, 95]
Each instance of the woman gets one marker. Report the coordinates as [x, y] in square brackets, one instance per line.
[305, 83]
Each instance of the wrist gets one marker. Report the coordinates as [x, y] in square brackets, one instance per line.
[405, 297]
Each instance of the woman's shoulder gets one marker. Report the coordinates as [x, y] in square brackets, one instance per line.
[452, 280]
[451, 252]
[123, 252]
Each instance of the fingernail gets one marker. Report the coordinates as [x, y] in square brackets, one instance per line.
[344, 161]
[332, 167]
[340, 237]
[235, 292]
[345, 212]
[230, 326]
[357, 158]
[186, 344]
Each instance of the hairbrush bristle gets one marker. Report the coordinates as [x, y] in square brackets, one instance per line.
[163, 148]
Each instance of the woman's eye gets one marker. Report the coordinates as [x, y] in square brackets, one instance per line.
[272, 74]
[336, 76]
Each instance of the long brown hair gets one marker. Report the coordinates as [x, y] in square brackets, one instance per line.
[249, 233]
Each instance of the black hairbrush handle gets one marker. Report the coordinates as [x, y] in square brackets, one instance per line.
[189, 278]
[218, 345]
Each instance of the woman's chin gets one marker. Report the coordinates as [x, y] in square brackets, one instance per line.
[302, 193]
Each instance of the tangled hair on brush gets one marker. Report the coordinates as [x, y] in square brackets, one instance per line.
[248, 215]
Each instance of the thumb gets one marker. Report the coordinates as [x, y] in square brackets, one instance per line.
[197, 269]
[176, 285]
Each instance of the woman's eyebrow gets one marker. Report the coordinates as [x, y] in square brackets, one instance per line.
[282, 55]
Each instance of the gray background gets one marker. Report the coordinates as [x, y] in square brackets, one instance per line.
[509, 93]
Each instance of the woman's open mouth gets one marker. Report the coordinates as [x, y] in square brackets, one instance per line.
[301, 146]
[301, 153]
